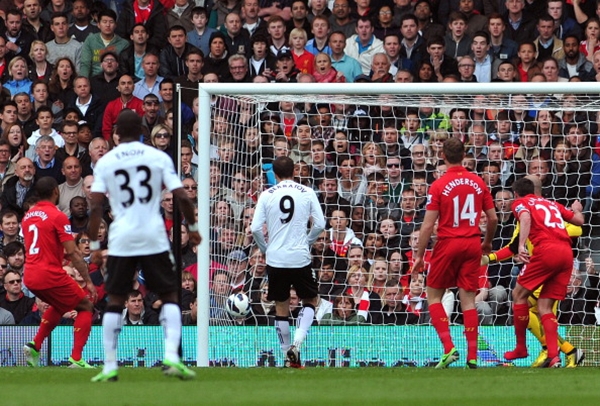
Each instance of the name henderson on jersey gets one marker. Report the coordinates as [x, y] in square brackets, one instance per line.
[461, 181]
[301, 188]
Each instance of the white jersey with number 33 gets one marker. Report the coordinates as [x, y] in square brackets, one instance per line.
[286, 208]
[133, 175]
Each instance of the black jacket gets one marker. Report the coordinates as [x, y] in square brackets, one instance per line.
[8, 198]
[156, 26]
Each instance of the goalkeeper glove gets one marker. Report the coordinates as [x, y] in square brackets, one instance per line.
[486, 259]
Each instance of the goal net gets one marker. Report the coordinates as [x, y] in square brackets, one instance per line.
[371, 151]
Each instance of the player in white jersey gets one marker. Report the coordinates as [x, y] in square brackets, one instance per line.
[133, 175]
[287, 208]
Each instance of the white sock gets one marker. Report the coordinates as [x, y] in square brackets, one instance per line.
[282, 326]
[170, 319]
[111, 327]
[305, 319]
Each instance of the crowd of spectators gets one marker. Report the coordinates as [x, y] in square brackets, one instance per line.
[67, 68]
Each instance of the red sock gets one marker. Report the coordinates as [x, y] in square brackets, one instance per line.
[439, 319]
[521, 321]
[551, 331]
[50, 319]
[81, 332]
[471, 322]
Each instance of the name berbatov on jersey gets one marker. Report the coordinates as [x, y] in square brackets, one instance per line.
[459, 182]
[296, 186]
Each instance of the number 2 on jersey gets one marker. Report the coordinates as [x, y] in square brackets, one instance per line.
[33, 249]
[286, 205]
[129, 189]
[466, 212]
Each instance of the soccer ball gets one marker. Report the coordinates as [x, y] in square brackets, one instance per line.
[238, 305]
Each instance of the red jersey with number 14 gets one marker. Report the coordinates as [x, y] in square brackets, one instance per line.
[459, 196]
[547, 217]
[45, 228]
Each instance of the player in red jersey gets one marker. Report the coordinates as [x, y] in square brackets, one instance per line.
[47, 234]
[551, 263]
[456, 201]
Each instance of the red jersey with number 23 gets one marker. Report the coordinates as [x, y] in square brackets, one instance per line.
[459, 196]
[45, 228]
[547, 225]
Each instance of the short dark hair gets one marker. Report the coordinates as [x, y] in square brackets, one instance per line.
[194, 52]
[166, 81]
[43, 109]
[107, 13]
[408, 16]
[58, 14]
[176, 27]
[138, 25]
[8, 103]
[8, 213]
[199, 10]
[69, 123]
[45, 187]
[283, 167]
[454, 150]
[134, 293]
[13, 248]
[436, 40]
[129, 124]
[523, 187]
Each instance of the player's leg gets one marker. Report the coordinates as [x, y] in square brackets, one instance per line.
[555, 288]
[50, 320]
[279, 291]
[535, 327]
[305, 282]
[112, 323]
[520, 321]
[159, 271]
[471, 323]
[118, 284]
[550, 325]
[442, 275]
[439, 319]
[81, 332]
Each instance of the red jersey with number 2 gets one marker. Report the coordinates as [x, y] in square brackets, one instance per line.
[459, 196]
[547, 225]
[45, 228]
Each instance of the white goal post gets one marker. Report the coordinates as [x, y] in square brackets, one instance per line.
[448, 95]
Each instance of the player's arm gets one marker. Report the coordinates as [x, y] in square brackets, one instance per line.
[76, 258]
[508, 251]
[96, 211]
[525, 224]
[187, 209]
[318, 220]
[258, 220]
[577, 210]
[424, 237]
[492, 223]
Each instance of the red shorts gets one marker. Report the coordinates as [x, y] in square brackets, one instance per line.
[63, 296]
[551, 265]
[455, 263]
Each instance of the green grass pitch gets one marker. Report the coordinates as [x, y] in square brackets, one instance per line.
[310, 386]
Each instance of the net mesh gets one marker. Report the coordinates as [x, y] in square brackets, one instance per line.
[371, 159]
